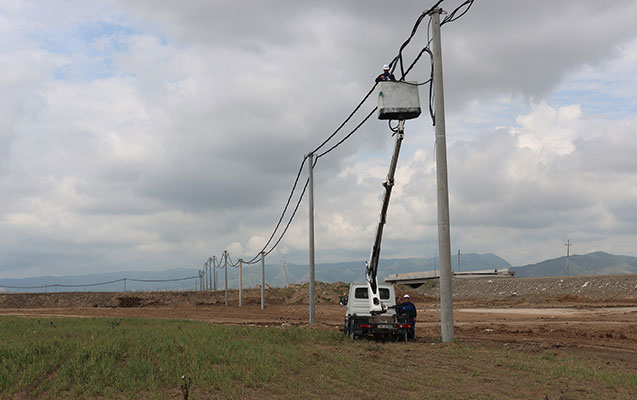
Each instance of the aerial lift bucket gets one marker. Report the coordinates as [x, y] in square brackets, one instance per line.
[398, 100]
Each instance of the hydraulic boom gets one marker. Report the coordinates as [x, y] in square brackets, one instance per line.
[371, 267]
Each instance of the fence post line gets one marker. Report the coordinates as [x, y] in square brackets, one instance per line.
[262, 280]
[225, 267]
[240, 282]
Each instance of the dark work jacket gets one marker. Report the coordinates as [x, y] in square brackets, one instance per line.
[407, 308]
[386, 76]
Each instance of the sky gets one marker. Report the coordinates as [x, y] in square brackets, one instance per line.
[154, 134]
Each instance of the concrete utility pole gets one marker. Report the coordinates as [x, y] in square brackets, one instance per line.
[458, 259]
[225, 267]
[262, 280]
[240, 282]
[214, 272]
[205, 275]
[311, 229]
[444, 240]
[285, 271]
[210, 273]
[568, 253]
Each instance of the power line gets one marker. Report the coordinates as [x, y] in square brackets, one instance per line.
[348, 135]
[287, 204]
[398, 59]
[78, 285]
[452, 16]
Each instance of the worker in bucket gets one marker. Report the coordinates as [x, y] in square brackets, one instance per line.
[386, 75]
[409, 310]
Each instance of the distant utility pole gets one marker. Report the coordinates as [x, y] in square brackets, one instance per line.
[568, 253]
[205, 275]
[444, 236]
[311, 229]
[285, 271]
[214, 272]
[210, 273]
[225, 267]
[458, 260]
[262, 280]
[240, 282]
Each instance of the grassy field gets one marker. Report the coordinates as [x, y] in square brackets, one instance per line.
[142, 358]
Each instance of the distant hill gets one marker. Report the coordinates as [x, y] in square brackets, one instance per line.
[588, 264]
[99, 282]
[597, 263]
[274, 275]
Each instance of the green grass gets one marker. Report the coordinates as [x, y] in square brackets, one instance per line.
[88, 358]
[143, 358]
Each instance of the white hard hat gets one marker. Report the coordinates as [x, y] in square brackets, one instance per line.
[385, 67]
[406, 296]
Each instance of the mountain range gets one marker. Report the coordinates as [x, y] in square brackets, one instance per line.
[276, 276]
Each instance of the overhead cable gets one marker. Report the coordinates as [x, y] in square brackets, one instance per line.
[398, 59]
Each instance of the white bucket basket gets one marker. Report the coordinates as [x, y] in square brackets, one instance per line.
[398, 100]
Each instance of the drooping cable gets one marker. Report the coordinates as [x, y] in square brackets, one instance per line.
[287, 204]
[293, 213]
[452, 16]
[349, 117]
[398, 59]
[348, 135]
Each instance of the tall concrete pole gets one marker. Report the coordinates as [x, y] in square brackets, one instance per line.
[311, 218]
[205, 275]
[214, 272]
[225, 267]
[444, 240]
[240, 282]
[262, 280]
[458, 259]
[568, 253]
[210, 273]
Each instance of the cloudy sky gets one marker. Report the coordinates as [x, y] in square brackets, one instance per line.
[153, 134]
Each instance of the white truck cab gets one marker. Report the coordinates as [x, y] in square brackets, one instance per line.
[358, 298]
[360, 322]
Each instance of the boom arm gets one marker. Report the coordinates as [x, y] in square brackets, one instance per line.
[371, 267]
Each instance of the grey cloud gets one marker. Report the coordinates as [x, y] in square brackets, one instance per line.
[527, 47]
[224, 99]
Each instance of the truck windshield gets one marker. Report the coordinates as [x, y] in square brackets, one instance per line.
[361, 293]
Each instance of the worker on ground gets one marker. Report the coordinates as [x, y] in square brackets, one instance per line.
[386, 75]
[409, 310]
